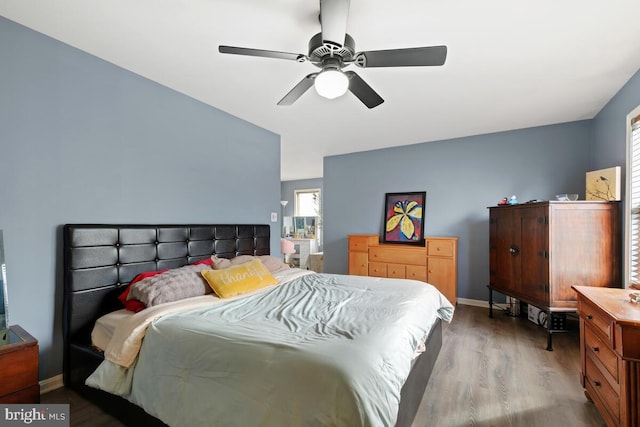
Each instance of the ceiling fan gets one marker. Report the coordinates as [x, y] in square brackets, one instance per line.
[333, 49]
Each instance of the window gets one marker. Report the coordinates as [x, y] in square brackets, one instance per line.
[307, 202]
[633, 200]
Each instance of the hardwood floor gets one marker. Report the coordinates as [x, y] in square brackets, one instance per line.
[497, 372]
[490, 372]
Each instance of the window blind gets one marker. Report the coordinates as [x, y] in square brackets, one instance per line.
[634, 205]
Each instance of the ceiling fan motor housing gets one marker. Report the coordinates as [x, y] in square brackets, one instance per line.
[319, 50]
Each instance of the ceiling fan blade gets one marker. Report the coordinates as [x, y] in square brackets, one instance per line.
[363, 91]
[409, 57]
[263, 53]
[298, 90]
[333, 20]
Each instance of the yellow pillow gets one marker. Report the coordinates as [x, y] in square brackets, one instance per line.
[239, 279]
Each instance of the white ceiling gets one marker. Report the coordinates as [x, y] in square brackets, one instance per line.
[510, 64]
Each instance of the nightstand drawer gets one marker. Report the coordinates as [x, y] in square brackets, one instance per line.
[18, 370]
[605, 393]
[598, 320]
[600, 351]
[27, 395]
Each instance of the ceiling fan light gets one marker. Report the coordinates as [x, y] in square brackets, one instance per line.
[331, 83]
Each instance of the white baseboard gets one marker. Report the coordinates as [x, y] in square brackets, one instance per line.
[51, 384]
[480, 303]
[474, 302]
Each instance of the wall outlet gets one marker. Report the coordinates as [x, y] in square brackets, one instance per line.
[274, 216]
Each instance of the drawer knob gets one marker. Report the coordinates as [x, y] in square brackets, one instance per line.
[597, 383]
[596, 349]
[589, 317]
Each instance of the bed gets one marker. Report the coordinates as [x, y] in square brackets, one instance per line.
[101, 259]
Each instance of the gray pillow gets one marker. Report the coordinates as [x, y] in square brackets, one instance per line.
[272, 263]
[172, 285]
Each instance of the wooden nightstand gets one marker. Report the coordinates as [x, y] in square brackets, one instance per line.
[19, 368]
[610, 353]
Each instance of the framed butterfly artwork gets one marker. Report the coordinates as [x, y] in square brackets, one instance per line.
[404, 217]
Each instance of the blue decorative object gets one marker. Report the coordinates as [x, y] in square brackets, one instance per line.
[513, 200]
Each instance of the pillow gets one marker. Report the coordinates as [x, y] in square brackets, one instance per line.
[172, 285]
[219, 263]
[272, 263]
[239, 279]
[133, 304]
[241, 259]
[206, 261]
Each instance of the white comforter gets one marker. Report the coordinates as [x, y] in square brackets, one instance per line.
[315, 350]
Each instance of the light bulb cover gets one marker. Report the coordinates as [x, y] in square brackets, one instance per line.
[331, 83]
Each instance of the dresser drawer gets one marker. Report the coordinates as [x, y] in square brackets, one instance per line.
[361, 243]
[440, 247]
[397, 271]
[598, 320]
[597, 349]
[398, 255]
[377, 269]
[606, 394]
[417, 272]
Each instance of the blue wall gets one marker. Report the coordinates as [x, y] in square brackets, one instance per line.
[610, 127]
[288, 189]
[85, 141]
[462, 177]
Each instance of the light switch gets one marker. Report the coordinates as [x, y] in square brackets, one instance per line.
[274, 216]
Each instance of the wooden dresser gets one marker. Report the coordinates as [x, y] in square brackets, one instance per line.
[19, 368]
[435, 263]
[610, 353]
[538, 251]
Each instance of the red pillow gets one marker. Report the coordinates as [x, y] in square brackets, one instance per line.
[132, 304]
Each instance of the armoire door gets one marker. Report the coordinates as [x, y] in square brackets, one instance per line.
[504, 250]
[534, 254]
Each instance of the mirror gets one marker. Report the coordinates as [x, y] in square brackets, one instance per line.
[4, 319]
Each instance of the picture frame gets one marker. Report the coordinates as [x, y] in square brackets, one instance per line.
[404, 218]
[603, 184]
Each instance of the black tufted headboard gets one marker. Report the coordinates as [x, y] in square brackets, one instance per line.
[101, 259]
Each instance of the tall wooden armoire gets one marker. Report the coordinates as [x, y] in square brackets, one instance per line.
[537, 251]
